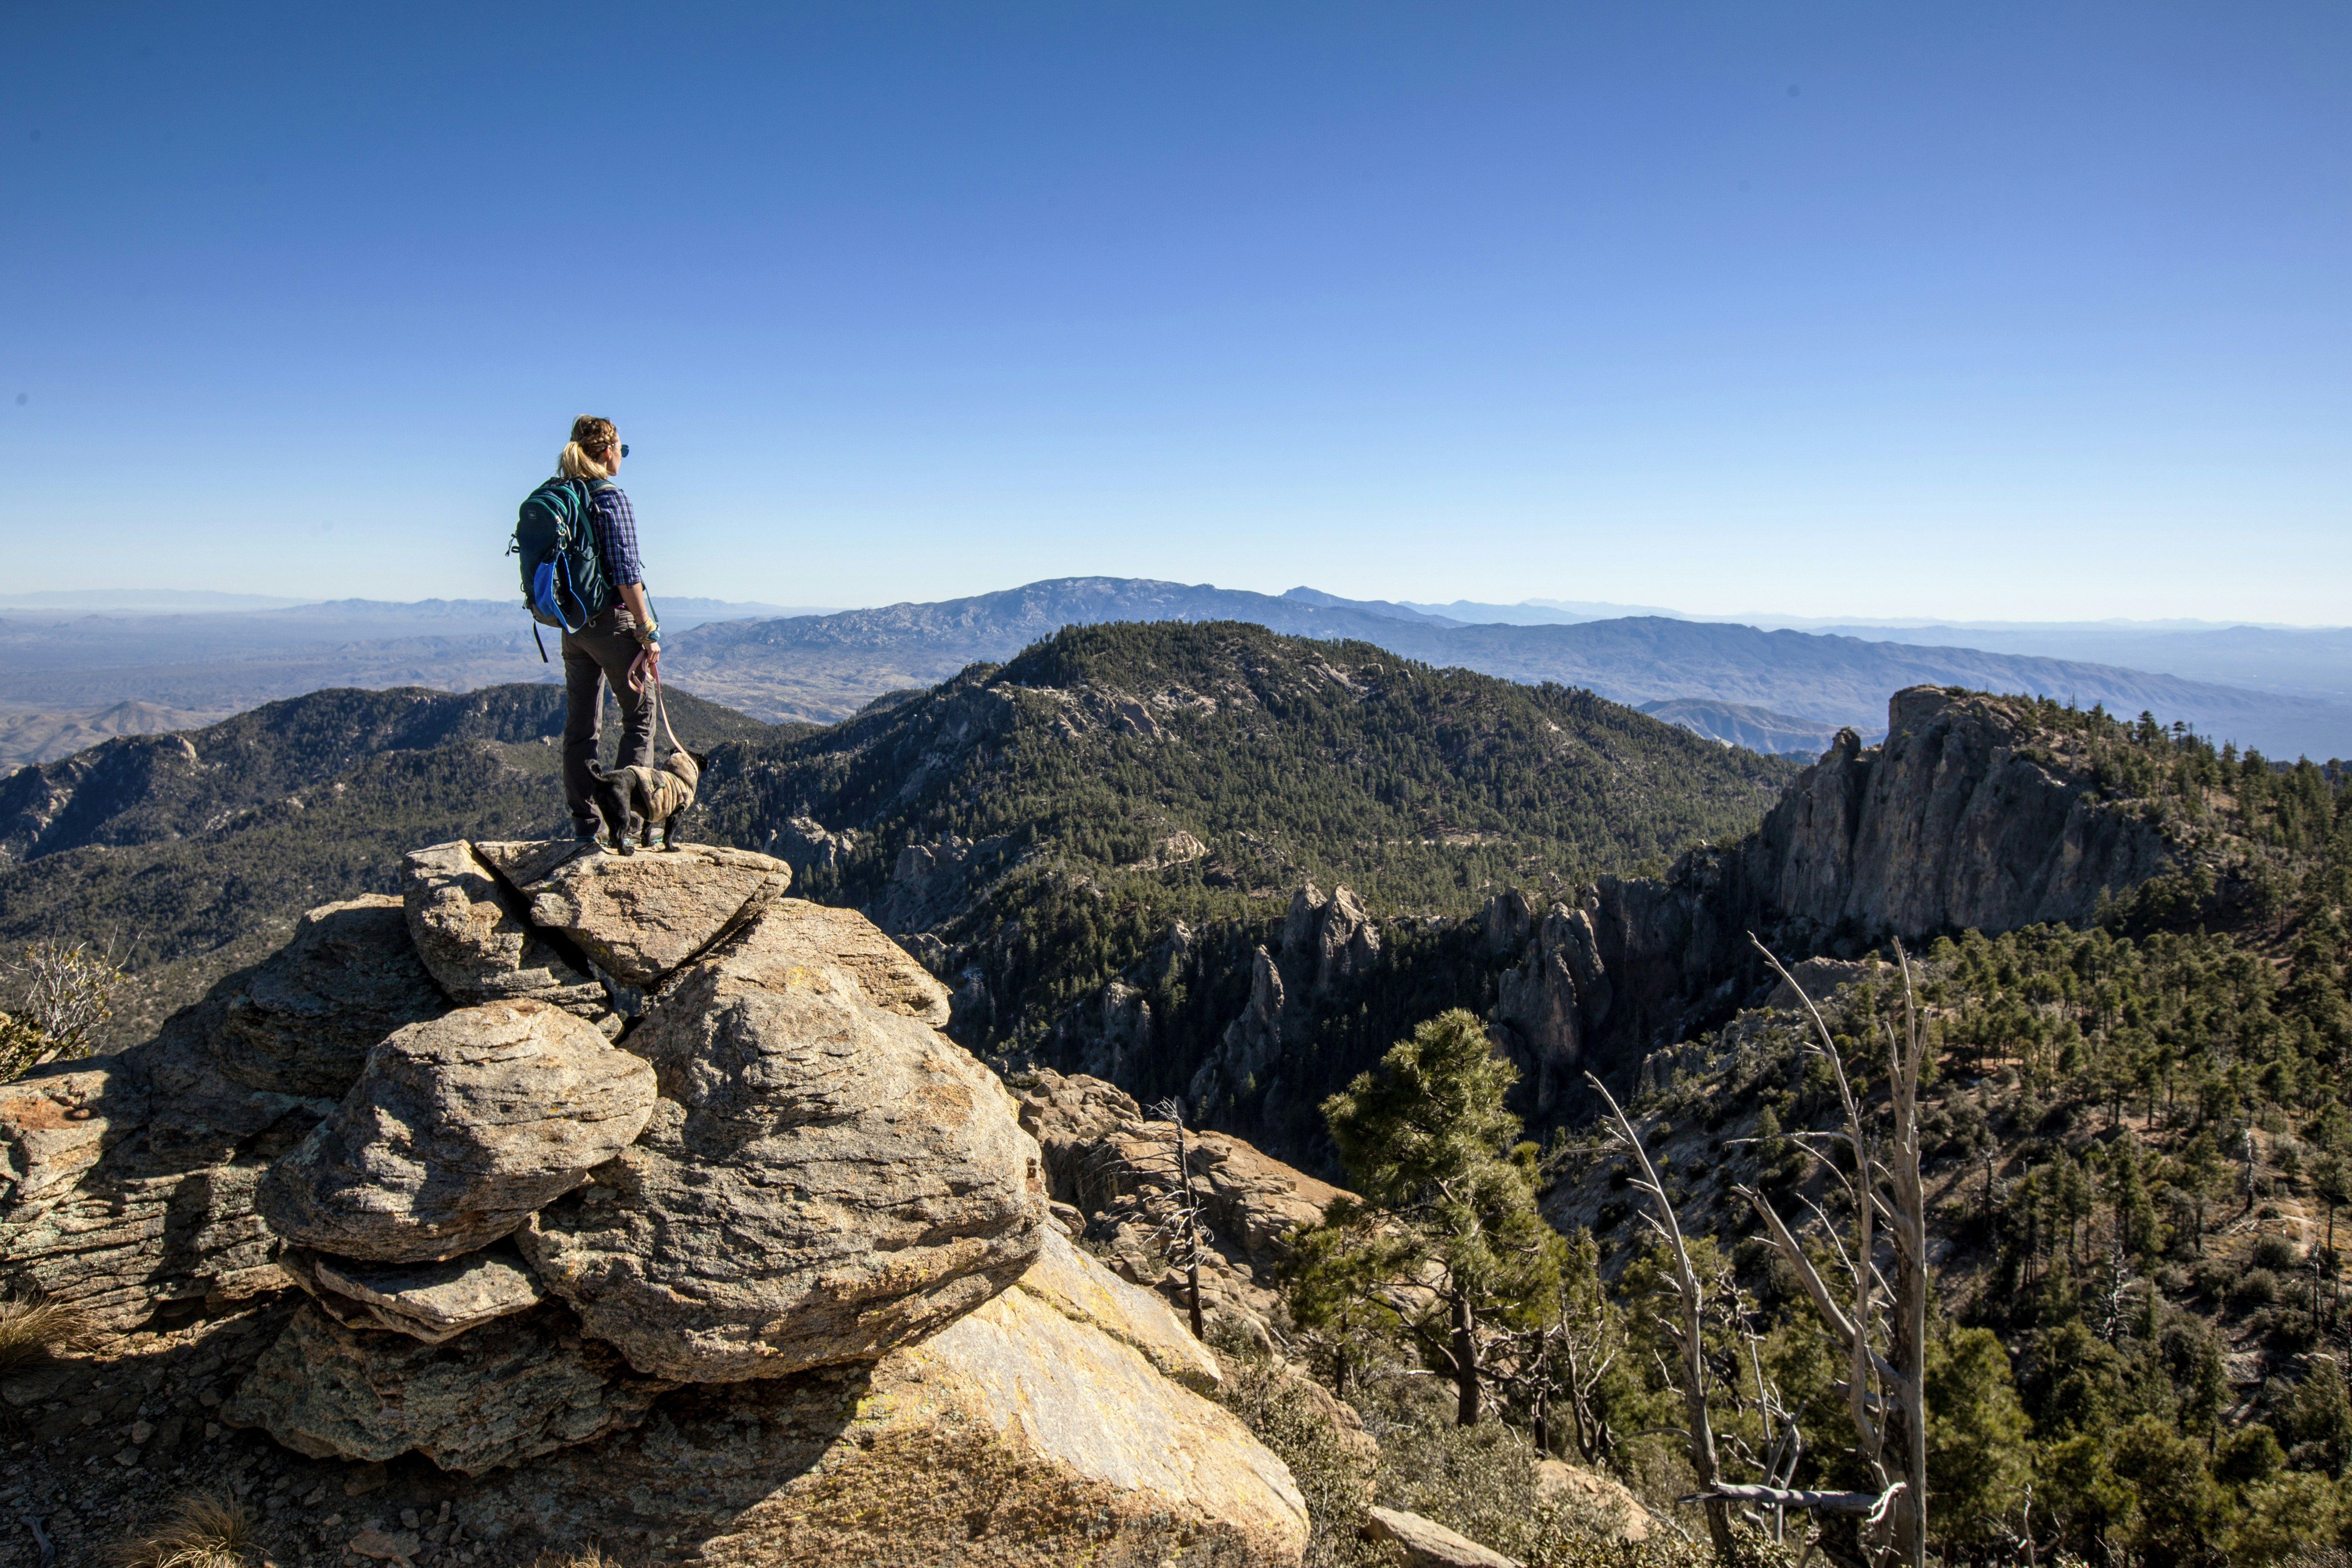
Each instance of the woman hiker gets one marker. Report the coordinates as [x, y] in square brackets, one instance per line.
[603, 652]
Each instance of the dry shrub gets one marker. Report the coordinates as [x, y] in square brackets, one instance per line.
[65, 993]
[577, 1557]
[34, 1327]
[202, 1533]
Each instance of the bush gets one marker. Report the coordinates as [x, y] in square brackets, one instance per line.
[2211, 1279]
[200, 1533]
[2276, 1253]
[2255, 1287]
[34, 1327]
[1293, 1418]
[66, 993]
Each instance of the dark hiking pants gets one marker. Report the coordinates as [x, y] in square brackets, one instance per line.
[596, 656]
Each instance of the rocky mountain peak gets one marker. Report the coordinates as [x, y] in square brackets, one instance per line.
[585, 1162]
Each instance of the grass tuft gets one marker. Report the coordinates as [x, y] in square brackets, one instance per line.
[202, 1533]
[34, 1327]
[578, 1557]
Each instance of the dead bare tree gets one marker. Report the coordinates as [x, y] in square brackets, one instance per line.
[1179, 1227]
[1782, 1440]
[1881, 1322]
[1686, 1330]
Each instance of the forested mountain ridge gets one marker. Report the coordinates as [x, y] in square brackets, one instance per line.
[1035, 829]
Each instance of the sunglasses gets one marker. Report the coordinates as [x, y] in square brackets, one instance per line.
[625, 449]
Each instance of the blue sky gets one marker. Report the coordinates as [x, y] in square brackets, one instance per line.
[2022, 311]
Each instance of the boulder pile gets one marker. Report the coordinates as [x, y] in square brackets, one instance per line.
[653, 1202]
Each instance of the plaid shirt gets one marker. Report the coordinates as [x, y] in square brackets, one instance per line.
[616, 537]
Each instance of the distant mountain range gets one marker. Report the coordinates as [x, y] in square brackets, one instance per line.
[822, 668]
[2286, 691]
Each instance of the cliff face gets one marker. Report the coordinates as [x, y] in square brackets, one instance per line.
[1947, 824]
[1957, 820]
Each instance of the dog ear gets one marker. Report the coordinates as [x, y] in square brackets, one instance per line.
[700, 759]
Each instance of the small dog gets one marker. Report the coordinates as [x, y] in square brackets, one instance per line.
[631, 800]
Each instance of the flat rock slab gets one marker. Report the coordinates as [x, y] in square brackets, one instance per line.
[824, 1180]
[455, 1132]
[309, 1017]
[510, 1391]
[1018, 1436]
[429, 1302]
[639, 917]
[1084, 1291]
[1429, 1544]
[472, 940]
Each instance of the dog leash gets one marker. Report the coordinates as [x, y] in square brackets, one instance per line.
[642, 673]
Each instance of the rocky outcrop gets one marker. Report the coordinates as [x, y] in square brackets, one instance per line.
[807, 845]
[1326, 942]
[508, 1391]
[825, 1179]
[456, 1132]
[1118, 1169]
[1022, 1434]
[1547, 1006]
[465, 921]
[1956, 820]
[779, 1279]
[639, 917]
[1962, 818]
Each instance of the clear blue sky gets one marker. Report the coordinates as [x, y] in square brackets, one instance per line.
[2022, 310]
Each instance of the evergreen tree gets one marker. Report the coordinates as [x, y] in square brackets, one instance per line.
[1451, 1199]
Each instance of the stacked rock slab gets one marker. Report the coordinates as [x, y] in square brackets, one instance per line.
[467, 923]
[458, 1129]
[636, 920]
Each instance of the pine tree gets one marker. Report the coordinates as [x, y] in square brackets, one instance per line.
[1451, 1199]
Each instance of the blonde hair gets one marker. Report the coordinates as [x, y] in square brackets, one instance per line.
[588, 433]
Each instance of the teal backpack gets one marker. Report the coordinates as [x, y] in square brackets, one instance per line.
[562, 574]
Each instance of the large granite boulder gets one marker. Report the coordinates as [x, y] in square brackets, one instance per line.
[458, 1129]
[1019, 1435]
[515, 1389]
[308, 1019]
[824, 1179]
[464, 923]
[639, 917]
